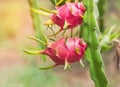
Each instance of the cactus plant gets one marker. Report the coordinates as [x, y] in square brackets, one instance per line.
[101, 8]
[93, 55]
[89, 31]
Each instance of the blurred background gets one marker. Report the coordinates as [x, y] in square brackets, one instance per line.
[18, 69]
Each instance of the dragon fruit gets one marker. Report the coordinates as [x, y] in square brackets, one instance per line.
[69, 50]
[69, 15]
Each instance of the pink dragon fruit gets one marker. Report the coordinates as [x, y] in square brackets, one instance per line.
[69, 15]
[66, 50]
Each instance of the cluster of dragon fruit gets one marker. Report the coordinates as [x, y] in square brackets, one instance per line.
[66, 51]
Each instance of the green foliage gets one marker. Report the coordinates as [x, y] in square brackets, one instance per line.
[93, 55]
[107, 37]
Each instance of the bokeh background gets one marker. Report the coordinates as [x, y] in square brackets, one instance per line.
[18, 69]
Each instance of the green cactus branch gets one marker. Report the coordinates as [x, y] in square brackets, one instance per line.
[101, 8]
[93, 55]
[37, 25]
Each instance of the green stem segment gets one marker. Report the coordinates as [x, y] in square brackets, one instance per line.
[93, 55]
[101, 8]
[37, 25]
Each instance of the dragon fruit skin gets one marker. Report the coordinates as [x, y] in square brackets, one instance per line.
[70, 14]
[70, 50]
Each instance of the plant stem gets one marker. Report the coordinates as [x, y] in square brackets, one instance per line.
[93, 55]
[101, 8]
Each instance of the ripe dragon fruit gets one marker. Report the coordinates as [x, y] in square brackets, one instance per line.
[69, 15]
[64, 51]
[69, 50]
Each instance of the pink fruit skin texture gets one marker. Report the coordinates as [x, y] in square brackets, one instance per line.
[70, 50]
[70, 14]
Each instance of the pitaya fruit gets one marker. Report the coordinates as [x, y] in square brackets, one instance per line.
[68, 51]
[69, 15]
[64, 51]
